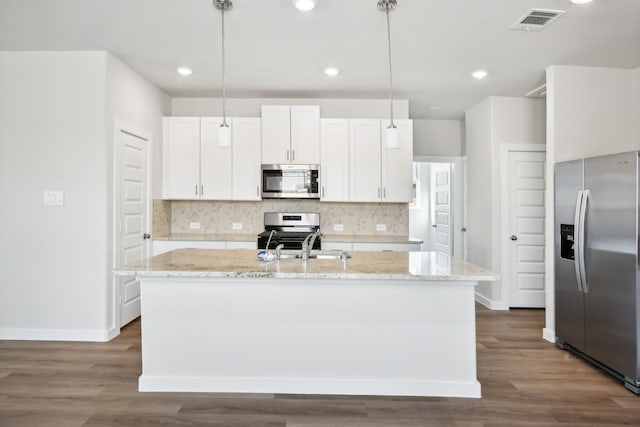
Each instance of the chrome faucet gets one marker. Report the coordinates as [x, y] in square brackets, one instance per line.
[307, 244]
[278, 249]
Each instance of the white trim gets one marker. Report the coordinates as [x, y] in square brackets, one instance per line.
[375, 387]
[505, 149]
[491, 304]
[95, 335]
[549, 335]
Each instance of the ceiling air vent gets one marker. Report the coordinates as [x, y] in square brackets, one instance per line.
[537, 19]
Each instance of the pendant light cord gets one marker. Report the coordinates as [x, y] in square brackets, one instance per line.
[224, 92]
[390, 71]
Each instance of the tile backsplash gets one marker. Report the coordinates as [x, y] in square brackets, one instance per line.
[218, 216]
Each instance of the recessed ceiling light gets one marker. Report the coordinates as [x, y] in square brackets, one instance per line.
[435, 108]
[479, 74]
[304, 5]
[184, 71]
[331, 71]
[580, 1]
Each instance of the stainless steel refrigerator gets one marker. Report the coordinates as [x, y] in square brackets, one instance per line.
[596, 262]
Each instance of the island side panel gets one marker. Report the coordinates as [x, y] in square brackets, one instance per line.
[309, 336]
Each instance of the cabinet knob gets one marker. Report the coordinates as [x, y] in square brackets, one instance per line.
[146, 236]
[514, 237]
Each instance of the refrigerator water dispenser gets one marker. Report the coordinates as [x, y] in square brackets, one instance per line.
[566, 241]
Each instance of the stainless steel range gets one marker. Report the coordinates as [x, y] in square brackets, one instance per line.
[290, 230]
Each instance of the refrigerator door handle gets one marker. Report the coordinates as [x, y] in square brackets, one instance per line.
[583, 213]
[577, 240]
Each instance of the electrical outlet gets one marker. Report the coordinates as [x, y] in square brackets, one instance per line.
[338, 227]
[236, 226]
[381, 227]
[54, 198]
[194, 226]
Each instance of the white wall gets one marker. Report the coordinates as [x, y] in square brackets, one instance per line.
[438, 137]
[57, 111]
[137, 102]
[53, 260]
[329, 108]
[591, 111]
[489, 125]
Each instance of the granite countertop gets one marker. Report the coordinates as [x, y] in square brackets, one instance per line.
[238, 237]
[223, 237]
[242, 263]
[374, 238]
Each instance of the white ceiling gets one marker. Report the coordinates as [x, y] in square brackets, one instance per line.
[273, 50]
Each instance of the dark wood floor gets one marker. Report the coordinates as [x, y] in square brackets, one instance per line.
[525, 381]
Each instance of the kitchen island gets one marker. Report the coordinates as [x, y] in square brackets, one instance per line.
[379, 323]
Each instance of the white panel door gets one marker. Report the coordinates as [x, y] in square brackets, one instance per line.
[397, 164]
[132, 215]
[364, 161]
[276, 134]
[334, 164]
[305, 134]
[441, 207]
[526, 222]
[246, 158]
[181, 157]
[215, 161]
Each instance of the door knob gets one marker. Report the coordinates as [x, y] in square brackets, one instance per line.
[435, 225]
[514, 237]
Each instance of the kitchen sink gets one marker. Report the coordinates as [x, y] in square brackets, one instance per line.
[334, 254]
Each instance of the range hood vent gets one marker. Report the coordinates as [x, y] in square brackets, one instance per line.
[536, 19]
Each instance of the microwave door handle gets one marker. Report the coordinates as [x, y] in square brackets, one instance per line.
[576, 240]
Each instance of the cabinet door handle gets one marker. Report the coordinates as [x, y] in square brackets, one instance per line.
[378, 191]
[293, 155]
[384, 192]
[323, 191]
[196, 189]
[257, 190]
[287, 155]
[201, 190]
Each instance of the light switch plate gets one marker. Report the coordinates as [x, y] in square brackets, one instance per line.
[338, 227]
[194, 226]
[53, 198]
[236, 226]
[381, 227]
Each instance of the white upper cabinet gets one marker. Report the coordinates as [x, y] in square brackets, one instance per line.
[195, 167]
[397, 163]
[180, 157]
[377, 173]
[246, 158]
[290, 134]
[215, 162]
[334, 158]
[364, 160]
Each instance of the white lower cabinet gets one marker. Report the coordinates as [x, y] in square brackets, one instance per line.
[162, 246]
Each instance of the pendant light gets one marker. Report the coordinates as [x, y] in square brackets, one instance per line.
[224, 133]
[392, 139]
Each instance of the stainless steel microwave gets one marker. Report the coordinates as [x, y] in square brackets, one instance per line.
[290, 181]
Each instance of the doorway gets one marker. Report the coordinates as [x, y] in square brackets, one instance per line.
[436, 211]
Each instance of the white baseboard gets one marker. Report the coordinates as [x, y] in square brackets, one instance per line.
[93, 335]
[401, 387]
[549, 335]
[491, 304]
